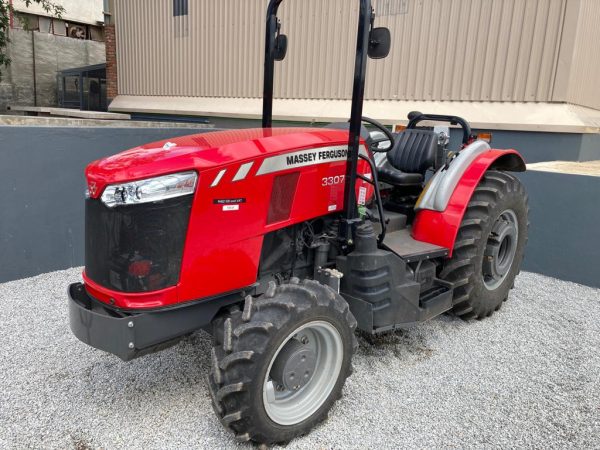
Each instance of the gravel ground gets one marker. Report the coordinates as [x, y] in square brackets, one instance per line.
[527, 377]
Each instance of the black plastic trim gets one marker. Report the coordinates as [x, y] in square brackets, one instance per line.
[430, 306]
[129, 335]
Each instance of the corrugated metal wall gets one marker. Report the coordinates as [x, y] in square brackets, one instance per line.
[484, 50]
[584, 84]
[214, 51]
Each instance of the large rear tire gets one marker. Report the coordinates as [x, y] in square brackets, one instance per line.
[489, 247]
[280, 364]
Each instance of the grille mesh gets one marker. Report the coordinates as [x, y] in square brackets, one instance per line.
[136, 248]
[282, 197]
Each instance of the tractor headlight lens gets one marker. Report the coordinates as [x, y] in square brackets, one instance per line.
[150, 189]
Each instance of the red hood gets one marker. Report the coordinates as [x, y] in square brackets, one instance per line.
[202, 151]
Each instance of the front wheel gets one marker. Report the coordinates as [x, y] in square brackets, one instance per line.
[489, 246]
[280, 364]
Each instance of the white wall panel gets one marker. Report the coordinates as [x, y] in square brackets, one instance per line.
[478, 50]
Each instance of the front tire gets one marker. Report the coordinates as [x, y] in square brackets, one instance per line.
[489, 246]
[280, 364]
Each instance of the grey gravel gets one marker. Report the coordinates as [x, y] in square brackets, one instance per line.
[526, 377]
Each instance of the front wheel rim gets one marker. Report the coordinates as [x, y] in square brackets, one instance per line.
[289, 405]
[500, 249]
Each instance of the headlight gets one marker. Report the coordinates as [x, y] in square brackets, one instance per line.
[150, 189]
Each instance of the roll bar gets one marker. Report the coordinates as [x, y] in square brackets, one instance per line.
[414, 117]
[365, 23]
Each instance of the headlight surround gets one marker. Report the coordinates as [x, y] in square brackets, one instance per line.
[150, 189]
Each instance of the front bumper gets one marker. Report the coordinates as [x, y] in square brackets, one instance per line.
[131, 334]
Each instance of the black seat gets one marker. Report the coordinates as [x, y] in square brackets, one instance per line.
[415, 151]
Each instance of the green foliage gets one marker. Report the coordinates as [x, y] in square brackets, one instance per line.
[4, 25]
[6, 9]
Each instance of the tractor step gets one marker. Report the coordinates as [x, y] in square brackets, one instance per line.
[436, 300]
[382, 292]
[432, 303]
[402, 244]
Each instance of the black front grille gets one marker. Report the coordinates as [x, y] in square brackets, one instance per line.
[136, 248]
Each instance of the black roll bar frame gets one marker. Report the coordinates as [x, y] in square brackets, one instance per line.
[365, 23]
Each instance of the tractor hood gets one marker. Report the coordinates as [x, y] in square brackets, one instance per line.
[204, 151]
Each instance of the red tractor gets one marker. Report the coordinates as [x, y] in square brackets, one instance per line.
[281, 242]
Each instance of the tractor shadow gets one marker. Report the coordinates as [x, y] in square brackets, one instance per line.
[400, 343]
[415, 343]
[181, 367]
[184, 366]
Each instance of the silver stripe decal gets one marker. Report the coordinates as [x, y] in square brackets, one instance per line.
[243, 171]
[308, 157]
[218, 178]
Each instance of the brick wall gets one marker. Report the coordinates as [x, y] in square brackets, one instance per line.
[111, 62]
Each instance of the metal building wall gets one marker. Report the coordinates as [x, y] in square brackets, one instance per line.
[583, 86]
[214, 51]
[478, 50]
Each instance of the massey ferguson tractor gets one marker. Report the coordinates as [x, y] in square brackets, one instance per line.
[282, 242]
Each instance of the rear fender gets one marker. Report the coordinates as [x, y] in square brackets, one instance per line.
[437, 221]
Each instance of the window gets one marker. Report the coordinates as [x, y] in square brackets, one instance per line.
[180, 18]
[391, 7]
[180, 8]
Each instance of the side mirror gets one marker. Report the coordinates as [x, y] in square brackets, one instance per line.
[280, 47]
[380, 41]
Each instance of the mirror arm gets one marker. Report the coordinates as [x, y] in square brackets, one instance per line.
[271, 29]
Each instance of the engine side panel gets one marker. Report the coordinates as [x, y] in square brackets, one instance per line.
[231, 214]
[441, 227]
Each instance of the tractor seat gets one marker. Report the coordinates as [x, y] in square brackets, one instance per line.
[415, 151]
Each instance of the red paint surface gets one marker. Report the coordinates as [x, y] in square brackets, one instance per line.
[222, 248]
[441, 228]
[155, 299]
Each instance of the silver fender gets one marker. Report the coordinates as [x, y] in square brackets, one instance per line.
[440, 187]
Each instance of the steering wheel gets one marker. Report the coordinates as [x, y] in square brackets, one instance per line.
[374, 143]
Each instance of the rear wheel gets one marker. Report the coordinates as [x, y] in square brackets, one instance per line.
[280, 364]
[489, 246]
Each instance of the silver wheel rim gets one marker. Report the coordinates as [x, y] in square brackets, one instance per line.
[289, 406]
[500, 250]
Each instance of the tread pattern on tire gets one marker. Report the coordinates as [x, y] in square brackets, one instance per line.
[245, 336]
[461, 268]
